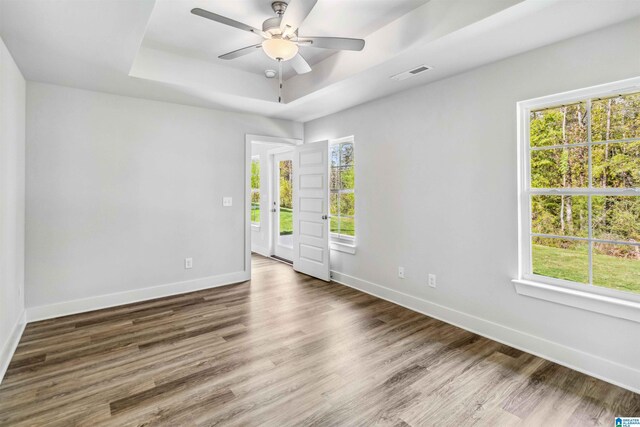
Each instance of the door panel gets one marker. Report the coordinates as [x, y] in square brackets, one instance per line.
[311, 209]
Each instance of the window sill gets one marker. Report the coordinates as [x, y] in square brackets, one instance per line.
[343, 247]
[255, 227]
[609, 306]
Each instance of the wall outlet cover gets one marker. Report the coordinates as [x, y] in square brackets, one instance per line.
[432, 280]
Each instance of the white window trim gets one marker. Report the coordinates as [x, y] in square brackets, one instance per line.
[342, 242]
[335, 245]
[610, 302]
[255, 226]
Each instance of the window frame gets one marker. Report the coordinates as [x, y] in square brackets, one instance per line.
[343, 241]
[526, 277]
[255, 225]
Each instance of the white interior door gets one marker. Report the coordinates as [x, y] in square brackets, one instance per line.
[282, 208]
[311, 209]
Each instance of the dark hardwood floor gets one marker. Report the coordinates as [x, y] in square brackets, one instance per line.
[286, 349]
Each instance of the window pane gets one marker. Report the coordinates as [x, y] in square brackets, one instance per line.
[615, 118]
[334, 179]
[286, 197]
[560, 215]
[335, 224]
[616, 218]
[557, 126]
[616, 165]
[286, 187]
[616, 266]
[286, 221]
[560, 258]
[334, 155]
[255, 207]
[347, 180]
[333, 204]
[346, 154]
[255, 174]
[346, 204]
[341, 202]
[347, 226]
[560, 168]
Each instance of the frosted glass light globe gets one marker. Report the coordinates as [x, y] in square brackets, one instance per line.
[280, 49]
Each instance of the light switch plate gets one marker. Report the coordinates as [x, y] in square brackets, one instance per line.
[227, 201]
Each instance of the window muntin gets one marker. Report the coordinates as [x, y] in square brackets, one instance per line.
[582, 193]
[255, 191]
[342, 189]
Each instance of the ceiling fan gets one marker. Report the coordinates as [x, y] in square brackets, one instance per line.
[280, 33]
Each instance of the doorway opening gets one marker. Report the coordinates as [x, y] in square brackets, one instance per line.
[287, 203]
[271, 196]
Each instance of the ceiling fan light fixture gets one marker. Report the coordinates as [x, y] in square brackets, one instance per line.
[280, 49]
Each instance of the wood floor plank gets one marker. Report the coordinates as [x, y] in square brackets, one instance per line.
[286, 350]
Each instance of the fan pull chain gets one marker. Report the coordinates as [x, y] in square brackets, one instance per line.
[280, 80]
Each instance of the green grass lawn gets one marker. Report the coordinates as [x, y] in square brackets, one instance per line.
[286, 223]
[286, 218]
[608, 271]
[347, 226]
[255, 212]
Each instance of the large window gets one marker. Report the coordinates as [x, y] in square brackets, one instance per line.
[255, 191]
[581, 193]
[342, 197]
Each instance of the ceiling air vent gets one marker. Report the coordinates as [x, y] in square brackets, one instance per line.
[413, 72]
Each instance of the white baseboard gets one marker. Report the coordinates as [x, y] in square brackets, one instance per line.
[65, 308]
[595, 366]
[10, 346]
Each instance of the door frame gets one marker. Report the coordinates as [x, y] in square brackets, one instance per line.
[260, 139]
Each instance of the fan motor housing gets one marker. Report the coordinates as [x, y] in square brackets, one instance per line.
[272, 25]
[279, 7]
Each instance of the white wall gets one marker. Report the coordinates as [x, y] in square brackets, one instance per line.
[12, 179]
[436, 193]
[120, 190]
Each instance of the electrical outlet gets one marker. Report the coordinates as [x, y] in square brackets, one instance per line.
[401, 272]
[188, 263]
[227, 201]
[432, 280]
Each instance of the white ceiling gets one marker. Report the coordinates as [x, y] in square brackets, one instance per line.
[158, 50]
[172, 28]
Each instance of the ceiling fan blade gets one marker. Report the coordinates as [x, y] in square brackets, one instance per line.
[227, 21]
[337, 43]
[296, 12]
[300, 64]
[240, 52]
